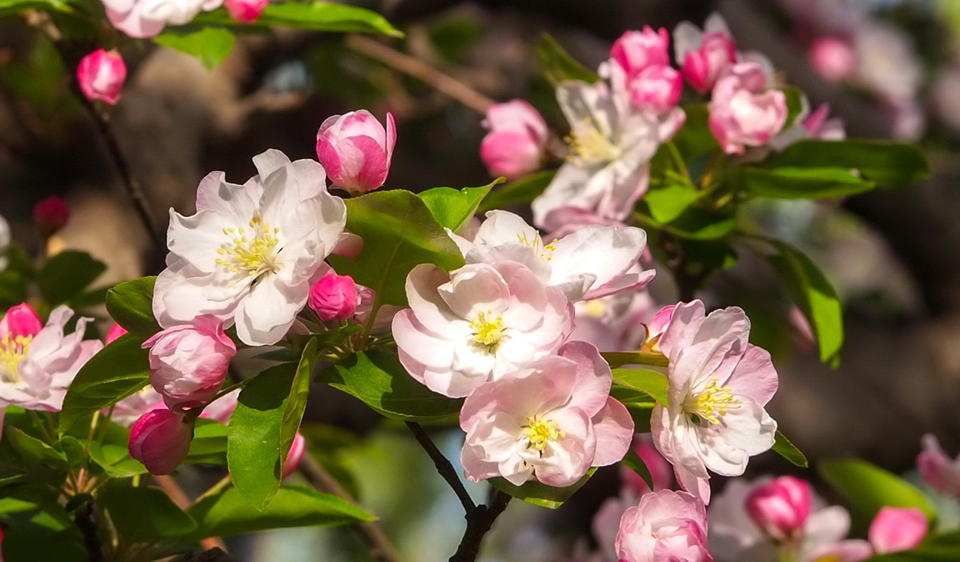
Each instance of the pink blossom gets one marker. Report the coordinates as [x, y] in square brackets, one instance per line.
[20, 321]
[704, 55]
[661, 473]
[334, 297]
[897, 528]
[355, 150]
[657, 88]
[833, 58]
[114, 333]
[551, 421]
[938, 470]
[222, 408]
[51, 214]
[614, 322]
[819, 126]
[101, 75]
[657, 326]
[147, 18]
[188, 363]
[743, 110]
[245, 11]
[128, 410]
[780, 507]
[517, 139]
[292, 461]
[719, 385]
[665, 525]
[478, 323]
[160, 439]
[636, 51]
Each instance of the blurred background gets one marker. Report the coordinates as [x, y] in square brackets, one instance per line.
[888, 68]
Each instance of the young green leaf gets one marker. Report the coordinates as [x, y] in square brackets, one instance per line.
[452, 208]
[633, 461]
[558, 65]
[540, 494]
[67, 274]
[313, 16]
[867, 487]
[888, 164]
[518, 192]
[797, 183]
[130, 304]
[650, 382]
[621, 358]
[144, 514]
[786, 449]
[210, 45]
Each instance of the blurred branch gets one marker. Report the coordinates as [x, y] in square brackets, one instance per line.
[444, 467]
[422, 71]
[381, 547]
[179, 497]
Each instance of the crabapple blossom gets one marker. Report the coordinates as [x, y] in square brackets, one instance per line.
[37, 364]
[591, 262]
[188, 363]
[292, 461]
[146, 18]
[657, 88]
[718, 386]
[517, 139]
[128, 410]
[614, 322]
[833, 58]
[334, 297]
[743, 110]
[478, 323]
[245, 11]
[939, 471]
[250, 253]
[704, 55]
[635, 51]
[222, 408]
[101, 75]
[897, 528]
[160, 439]
[551, 421]
[114, 333]
[355, 150]
[664, 525]
[51, 214]
[780, 507]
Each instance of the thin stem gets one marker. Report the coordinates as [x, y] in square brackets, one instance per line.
[418, 69]
[381, 547]
[443, 466]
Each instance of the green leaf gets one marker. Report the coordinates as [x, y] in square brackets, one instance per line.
[814, 295]
[115, 460]
[797, 183]
[786, 449]
[398, 232]
[518, 192]
[452, 208]
[144, 514]
[668, 202]
[650, 382]
[867, 487]
[36, 455]
[210, 45]
[379, 380]
[540, 494]
[693, 223]
[694, 138]
[115, 372]
[633, 461]
[227, 512]
[13, 289]
[558, 65]
[264, 424]
[621, 358]
[130, 304]
[313, 16]
[67, 274]
[888, 164]
[794, 98]
[209, 445]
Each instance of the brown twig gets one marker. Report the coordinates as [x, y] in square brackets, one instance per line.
[422, 71]
[179, 497]
[443, 467]
[381, 547]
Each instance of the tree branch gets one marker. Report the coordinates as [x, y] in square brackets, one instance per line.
[443, 467]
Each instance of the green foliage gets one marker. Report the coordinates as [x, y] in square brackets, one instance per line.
[649, 382]
[867, 487]
[115, 460]
[312, 16]
[786, 449]
[379, 380]
[210, 45]
[66, 275]
[540, 494]
[621, 358]
[886, 164]
[38, 459]
[399, 232]
[144, 514]
[518, 192]
[452, 208]
[558, 65]
[130, 304]
[117, 371]
[36, 527]
[797, 183]
[633, 461]
[694, 139]
[226, 512]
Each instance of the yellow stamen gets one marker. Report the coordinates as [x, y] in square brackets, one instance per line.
[487, 331]
[13, 349]
[589, 146]
[595, 308]
[711, 403]
[543, 251]
[541, 432]
[251, 256]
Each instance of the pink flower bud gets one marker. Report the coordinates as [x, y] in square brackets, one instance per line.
[188, 363]
[897, 528]
[635, 51]
[515, 144]
[51, 214]
[703, 65]
[355, 150]
[744, 111]
[245, 11]
[101, 75]
[657, 88]
[115, 332]
[160, 439]
[20, 321]
[833, 58]
[939, 471]
[334, 297]
[780, 507]
[294, 455]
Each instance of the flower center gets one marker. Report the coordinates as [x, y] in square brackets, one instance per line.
[542, 251]
[540, 432]
[595, 308]
[487, 330]
[711, 403]
[589, 146]
[13, 350]
[251, 252]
